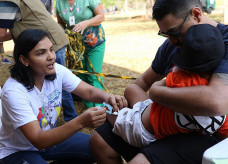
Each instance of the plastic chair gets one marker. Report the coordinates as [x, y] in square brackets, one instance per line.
[217, 154]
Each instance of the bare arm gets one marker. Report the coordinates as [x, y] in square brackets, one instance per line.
[207, 100]
[95, 21]
[4, 35]
[44, 139]
[93, 94]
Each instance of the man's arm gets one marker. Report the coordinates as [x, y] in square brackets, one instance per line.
[4, 35]
[209, 100]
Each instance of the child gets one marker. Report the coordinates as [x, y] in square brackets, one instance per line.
[149, 121]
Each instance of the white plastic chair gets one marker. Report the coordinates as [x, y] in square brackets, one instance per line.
[217, 154]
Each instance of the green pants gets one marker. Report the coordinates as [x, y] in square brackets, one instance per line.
[96, 56]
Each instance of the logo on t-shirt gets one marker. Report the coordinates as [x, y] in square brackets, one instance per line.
[207, 125]
[49, 112]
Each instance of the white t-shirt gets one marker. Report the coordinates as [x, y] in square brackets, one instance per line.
[21, 106]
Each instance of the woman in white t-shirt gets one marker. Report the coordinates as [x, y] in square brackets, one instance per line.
[31, 104]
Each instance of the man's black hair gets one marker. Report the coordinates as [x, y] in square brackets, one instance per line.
[178, 8]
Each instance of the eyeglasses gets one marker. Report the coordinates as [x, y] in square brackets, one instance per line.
[177, 33]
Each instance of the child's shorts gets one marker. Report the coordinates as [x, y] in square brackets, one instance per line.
[129, 125]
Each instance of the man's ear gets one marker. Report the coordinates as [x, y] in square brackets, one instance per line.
[24, 60]
[197, 14]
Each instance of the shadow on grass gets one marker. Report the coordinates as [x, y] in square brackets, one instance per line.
[117, 85]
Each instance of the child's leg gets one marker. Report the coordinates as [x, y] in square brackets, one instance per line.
[146, 119]
[111, 119]
[134, 94]
[129, 125]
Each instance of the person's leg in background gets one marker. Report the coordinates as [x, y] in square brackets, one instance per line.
[2, 53]
[96, 56]
[69, 111]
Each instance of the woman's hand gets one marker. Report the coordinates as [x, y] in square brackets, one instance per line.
[116, 101]
[44, 139]
[93, 117]
[80, 27]
[95, 21]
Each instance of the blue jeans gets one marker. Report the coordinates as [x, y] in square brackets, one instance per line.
[67, 100]
[74, 150]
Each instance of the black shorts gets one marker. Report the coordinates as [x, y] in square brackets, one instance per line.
[175, 149]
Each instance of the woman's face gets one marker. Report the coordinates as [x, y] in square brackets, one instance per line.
[41, 58]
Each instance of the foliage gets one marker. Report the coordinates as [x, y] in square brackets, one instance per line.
[108, 3]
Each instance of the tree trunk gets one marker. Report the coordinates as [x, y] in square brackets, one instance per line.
[149, 5]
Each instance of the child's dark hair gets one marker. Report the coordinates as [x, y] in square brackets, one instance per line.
[25, 42]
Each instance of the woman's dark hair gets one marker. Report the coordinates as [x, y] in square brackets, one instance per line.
[179, 8]
[25, 42]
